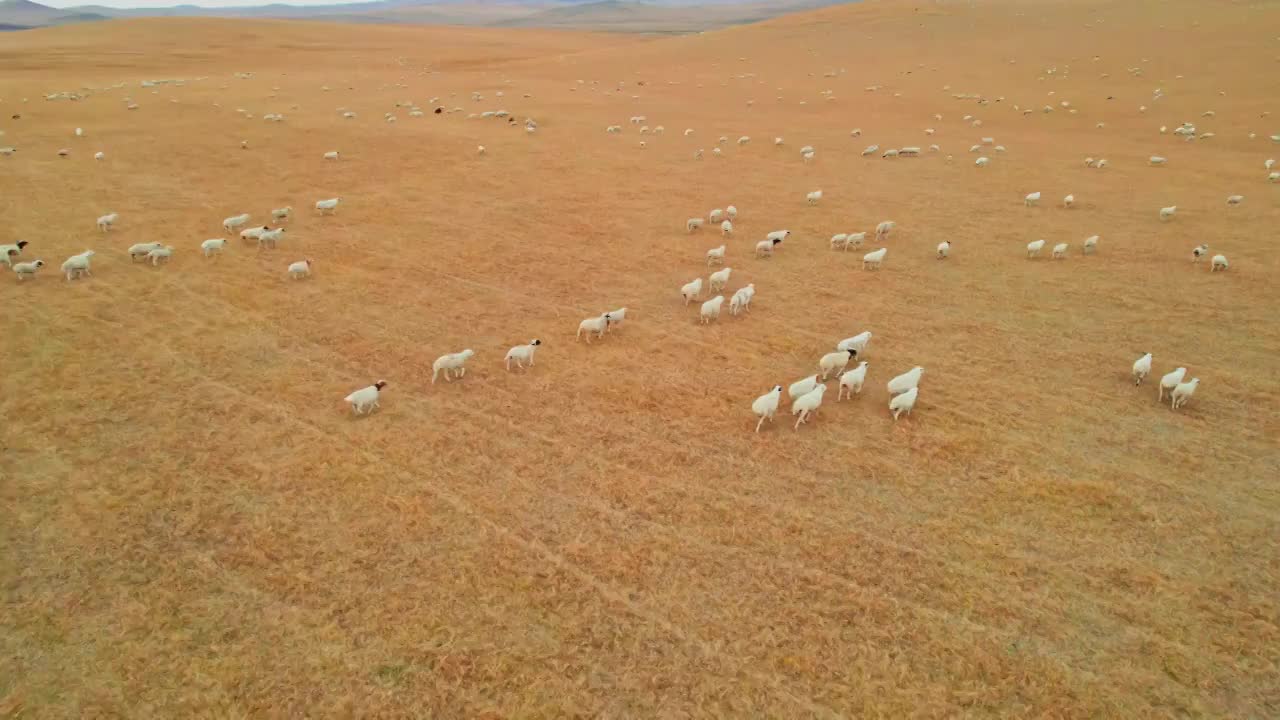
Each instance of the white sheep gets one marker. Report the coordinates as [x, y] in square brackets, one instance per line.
[726, 229]
[452, 364]
[106, 222]
[159, 254]
[903, 403]
[1032, 199]
[716, 255]
[300, 269]
[982, 161]
[777, 141]
[1198, 252]
[1034, 248]
[1270, 163]
[99, 155]
[873, 259]
[365, 400]
[1183, 392]
[691, 290]
[693, 224]
[1219, 263]
[905, 381]
[715, 216]
[8, 252]
[944, 249]
[802, 387]
[716, 152]
[855, 240]
[891, 152]
[741, 299]
[331, 155]
[778, 235]
[764, 248]
[975, 148]
[835, 362]
[1274, 177]
[814, 197]
[235, 221]
[840, 241]
[719, 279]
[1171, 380]
[744, 140]
[806, 149]
[1060, 251]
[615, 318]
[25, 269]
[1068, 201]
[870, 150]
[858, 342]
[883, 230]
[1157, 160]
[522, 354]
[1168, 212]
[77, 265]
[1141, 368]
[213, 246]
[253, 233]
[808, 404]
[732, 212]
[269, 238]
[596, 325]
[710, 309]
[281, 214]
[330, 205]
[140, 250]
[766, 406]
[1090, 244]
[1235, 199]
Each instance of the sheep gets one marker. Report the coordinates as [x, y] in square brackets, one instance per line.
[806, 149]
[697, 154]
[840, 241]
[904, 402]
[330, 205]
[1034, 248]
[807, 404]
[99, 155]
[1000, 148]
[1235, 199]
[1183, 392]
[855, 240]
[873, 259]
[710, 309]
[253, 233]
[1270, 163]
[522, 354]
[1198, 252]
[716, 255]
[858, 342]
[905, 381]
[615, 318]
[814, 197]
[1060, 251]
[7, 151]
[213, 246]
[300, 269]
[365, 400]
[870, 150]
[140, 250]
[1219, 262]
[741, 299]
[281, 214]
[1032, 199]
[883, 230]
[160, 253]
[719, 279]
[856, 132]
[744, 140]
[77, 265]
[778, 235]
[1171, 381]
[269, 237]
[1141, 368]
[1168, 212]
[1068, 201]
[595, 325]
[691, 290]
[944, 249]
[106, 222]
[835, 362]
[766, 406]
[235, 221]
[891, 152]
[851, 381]
[23, 269]
[732, 212]
[452, 364]
[982, 161]
[777, 141]
[802, 387]
[716, 152]
[909, 152]
[726, 229]
[764, 248]
[693, 224]
[1157, 160]
[1274, 177]
[1090, 244]
[8, 252]
[688, 132]
[715, 216]
[331, 155]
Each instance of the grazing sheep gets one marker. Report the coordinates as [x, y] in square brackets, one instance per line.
[883, 230]
[807, 404]
[905, 381]
[452, 364]
[716, 255]
[235, 221]
[213, 246]
[891, 152]
[1219, 263]
[741, 299]
[691, 290]
[160, 253]
[719, 279]
[1090, 244]
[726, 229]
[716, 152]
[1235, 199]
[1171, 380]
[106, 222]
[777, 141]
[766, 406]
[24, 269]
[1068, 201]
[1141, 369]
[77, 265]
[835, 362]
[1157, 160]
[1270, 163]
[982, 161]
[1034, 248]
[8, 252]
[732, 212]
[944, 249]
[711, 309]
[1032, 199]
[327, 206]
[1183, 392]
[522, 354]
[140, 250]
[300, 269]
[596, 325]
[851, 381]
[365, 400]
[615, 318]
[269, 238]
[873, 259]
[281, 214]
[855, 240]
[814, 197]
[1198, 252]
[870, 150]
[744, 140]
[715, 216]
[331, 155]
[1060, 251]
[1168, 212]
[693, 224]
[764, 248]
[1274, 177]
[903, 403]
[99, 156]
[858, 342]
[802, 387]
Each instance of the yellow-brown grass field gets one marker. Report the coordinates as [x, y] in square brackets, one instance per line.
[193, 524]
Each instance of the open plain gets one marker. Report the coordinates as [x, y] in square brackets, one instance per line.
[195, 525]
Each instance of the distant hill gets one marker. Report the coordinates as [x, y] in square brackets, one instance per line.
[23, 15]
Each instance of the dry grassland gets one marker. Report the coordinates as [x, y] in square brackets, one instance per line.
[195, 526]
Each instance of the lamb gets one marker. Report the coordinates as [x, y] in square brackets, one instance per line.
[1034, 248]
[726, 229]
[903, 403]
[269, 237]
[764, 248]
[766, 406]
[1183, 392]
[331, 155]
[944, 249]
[1068, 201]
[106, 222]
[160, 253]
[715, 216]
[807, 404]
[281, 214]
[719, 279]
[741, 300]
[77, 265]
[1198, 252]
[693, 224]
[851, 381]
[1090, 244]
[300, 269]
[883, 230]
[595, 325]
[711, 309]
[522, 354]
[835, 362]
[365, 400]
[10, 251]
[814, 197]
[140, 250]
[1168, 212]
[615, 318]
[1219, 262]
[691, 290]
[235, 221]
[1235, 199]
[330, 205]
[716, 255]
[873, 259]
[732, 212]
[858, 342]
[1032, 199]
[905, 381]
[1141, 369]
[452, 364]
[213, 246]
[253, 233]
[1171, 380]
[1060, 251]
[802, 387]
[23, 269]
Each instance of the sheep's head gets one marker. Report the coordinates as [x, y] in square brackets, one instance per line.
[536, 342]
[380, 384]
[38, 263]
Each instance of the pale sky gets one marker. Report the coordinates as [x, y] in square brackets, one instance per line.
[172, 3]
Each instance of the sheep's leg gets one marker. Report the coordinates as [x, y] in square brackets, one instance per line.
[762, 417]
[797, 426]
[462, 371]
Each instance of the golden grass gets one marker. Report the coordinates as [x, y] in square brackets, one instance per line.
[196, 527]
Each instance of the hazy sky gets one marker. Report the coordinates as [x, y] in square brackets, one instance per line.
[171, 3]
